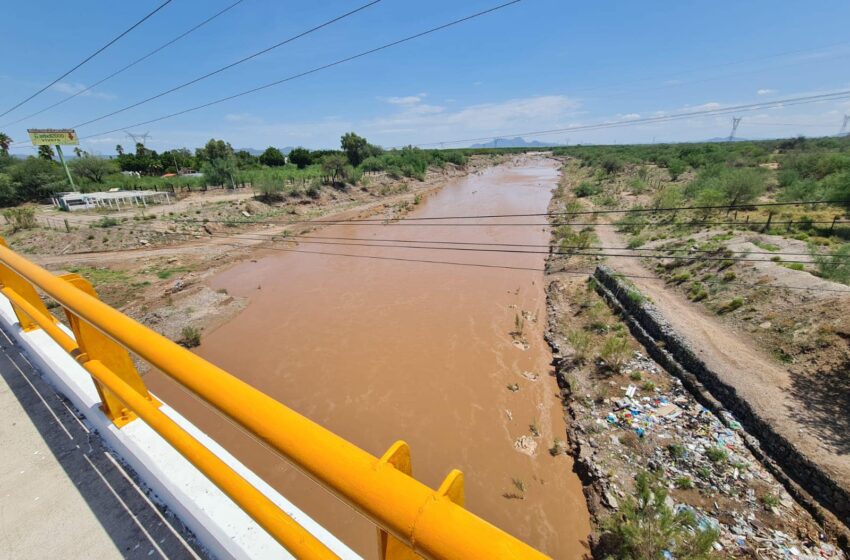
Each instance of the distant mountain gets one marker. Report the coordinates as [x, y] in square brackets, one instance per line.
[517, 142]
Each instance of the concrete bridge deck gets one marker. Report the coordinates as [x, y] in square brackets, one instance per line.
[62, 494]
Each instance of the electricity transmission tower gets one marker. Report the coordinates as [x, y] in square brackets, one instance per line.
[735, 122]
[138, 138]
[843, 130]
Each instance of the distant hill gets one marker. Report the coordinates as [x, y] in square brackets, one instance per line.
[517, 142]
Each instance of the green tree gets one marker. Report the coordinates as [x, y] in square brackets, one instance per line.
[8, 194]
[119, 149]
[92, 168]
[273, 157]
[300, 157]
[645, 528]
[34, 177]
[336, 166]
[676, 167]
[220, 171]
[45, 152]
[357, 149]
[5, 142]
[214, 149]
[245, 159]
[177, 160]
[742, 186]
[354, 147]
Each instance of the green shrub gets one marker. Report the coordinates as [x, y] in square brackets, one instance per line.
[190, 337]
[615, 351]
[716, 454]
[611, 165]
[106, 222]
[698, 292]
[579, 340]
[770, 501]
[676, 451]
[586, 188]
[646, 528]
[732, 305]
[20, 218]
[676, 167]
[835, 265]
[684, 483]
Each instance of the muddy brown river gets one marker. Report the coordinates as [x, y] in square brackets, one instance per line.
[392, 343]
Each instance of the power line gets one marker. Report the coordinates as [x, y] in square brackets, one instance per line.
[579, 250]
[710, 67]
[261, 236]
[128, 66]
[394, 222]
[315, 70]
[91, 56]
[482, 265]
[550, 245]
[554, 214]
[801, 100]
[231, 65]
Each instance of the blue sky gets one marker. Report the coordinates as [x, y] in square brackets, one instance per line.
[539, 64]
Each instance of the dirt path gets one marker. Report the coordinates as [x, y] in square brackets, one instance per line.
[733, 355]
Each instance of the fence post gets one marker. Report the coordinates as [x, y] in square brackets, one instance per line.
[67, 227]
[832, 225]
[790, 223]
[767, 224]
[94, 345]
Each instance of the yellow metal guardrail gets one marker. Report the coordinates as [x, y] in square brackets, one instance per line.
[412, 519]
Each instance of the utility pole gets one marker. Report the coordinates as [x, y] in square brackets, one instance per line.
[735, 122]
[65, 165]
[843, 130]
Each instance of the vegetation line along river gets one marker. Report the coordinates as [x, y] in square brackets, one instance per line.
[449, 358]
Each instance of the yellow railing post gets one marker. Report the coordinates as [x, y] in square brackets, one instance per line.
[94, 345]
[431, 523]
[389, 547]
[23, 288]
[398, 456]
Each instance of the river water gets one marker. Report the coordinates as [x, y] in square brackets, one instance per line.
[393, 343]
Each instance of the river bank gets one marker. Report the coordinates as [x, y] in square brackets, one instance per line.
[628, 416]
[379, 340]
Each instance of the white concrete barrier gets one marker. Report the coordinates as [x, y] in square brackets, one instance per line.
[217, 522]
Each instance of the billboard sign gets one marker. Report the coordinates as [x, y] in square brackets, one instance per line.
[53, 137]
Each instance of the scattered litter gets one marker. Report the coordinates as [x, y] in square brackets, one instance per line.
[526, 445]
[530, 375]
[691, 447]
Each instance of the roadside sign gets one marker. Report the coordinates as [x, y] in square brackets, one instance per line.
[53, 137]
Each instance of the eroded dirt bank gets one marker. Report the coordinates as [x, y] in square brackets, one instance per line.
[392, 343]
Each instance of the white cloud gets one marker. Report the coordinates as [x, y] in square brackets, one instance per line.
[766, 91]
[243, 118]
[544, 109]
[630, 117]
[406, 100]
[71, 88]
[710, 106]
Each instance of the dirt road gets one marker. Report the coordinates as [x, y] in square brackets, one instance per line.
[757, 377]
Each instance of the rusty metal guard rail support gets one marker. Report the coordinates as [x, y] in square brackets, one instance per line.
[411, 518]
